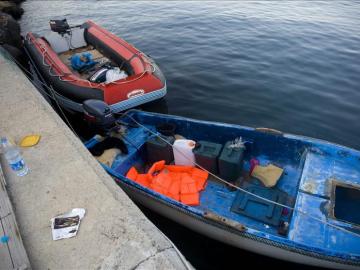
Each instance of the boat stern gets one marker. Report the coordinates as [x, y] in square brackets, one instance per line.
[138, 97]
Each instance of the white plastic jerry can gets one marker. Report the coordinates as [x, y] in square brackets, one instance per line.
[183, 152]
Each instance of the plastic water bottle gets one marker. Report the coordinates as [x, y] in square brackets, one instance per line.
[13, 157]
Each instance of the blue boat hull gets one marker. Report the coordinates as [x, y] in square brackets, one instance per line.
[314, 171]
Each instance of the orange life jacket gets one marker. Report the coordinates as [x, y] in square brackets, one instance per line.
[181, 183]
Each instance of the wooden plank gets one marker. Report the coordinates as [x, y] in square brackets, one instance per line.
[15, 249]
[5, 259]
[65, 56]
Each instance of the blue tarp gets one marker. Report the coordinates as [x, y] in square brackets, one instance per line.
[79, 65]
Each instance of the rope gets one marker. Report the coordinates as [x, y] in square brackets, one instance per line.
[43, 51]
[43, 84]
[141, 75]
[28, 72]
[62, 112]
[133, 80]
[52, 91]
[245, 191]
[215, 176]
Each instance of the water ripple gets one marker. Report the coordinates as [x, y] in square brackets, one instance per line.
[291, 65]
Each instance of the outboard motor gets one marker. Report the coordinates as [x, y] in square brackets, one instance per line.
[59, 26]
[98, 115]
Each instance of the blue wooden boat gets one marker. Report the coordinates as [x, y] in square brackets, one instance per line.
[320, 190]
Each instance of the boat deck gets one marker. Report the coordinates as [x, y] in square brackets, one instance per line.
[218, 198]
[97, 56]
[320, 175]
[313, 170]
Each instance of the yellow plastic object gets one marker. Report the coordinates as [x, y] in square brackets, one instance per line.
[268, 175]
[108, 156]
[30, 140]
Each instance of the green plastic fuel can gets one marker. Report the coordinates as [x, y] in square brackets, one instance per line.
[157, 149]
[206, 155]
[231, 162]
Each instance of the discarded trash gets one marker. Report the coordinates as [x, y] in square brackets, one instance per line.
[4, 239]
[30, 140]
[253, 163]
[13, 157]
[67, 225]
[115, 74]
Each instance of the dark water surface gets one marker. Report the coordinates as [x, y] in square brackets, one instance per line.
[288, 65]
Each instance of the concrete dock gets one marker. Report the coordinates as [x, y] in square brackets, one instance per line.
[114, 234]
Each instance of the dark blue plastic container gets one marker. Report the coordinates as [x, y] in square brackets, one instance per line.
[206, 155]
[231, 162]
[157, 149]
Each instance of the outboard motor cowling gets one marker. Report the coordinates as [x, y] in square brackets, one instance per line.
[98, 114]
[59, 26]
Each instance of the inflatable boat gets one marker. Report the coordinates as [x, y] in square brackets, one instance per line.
[309, 215]
[88, 62]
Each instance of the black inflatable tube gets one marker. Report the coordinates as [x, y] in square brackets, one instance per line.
[66, 89]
